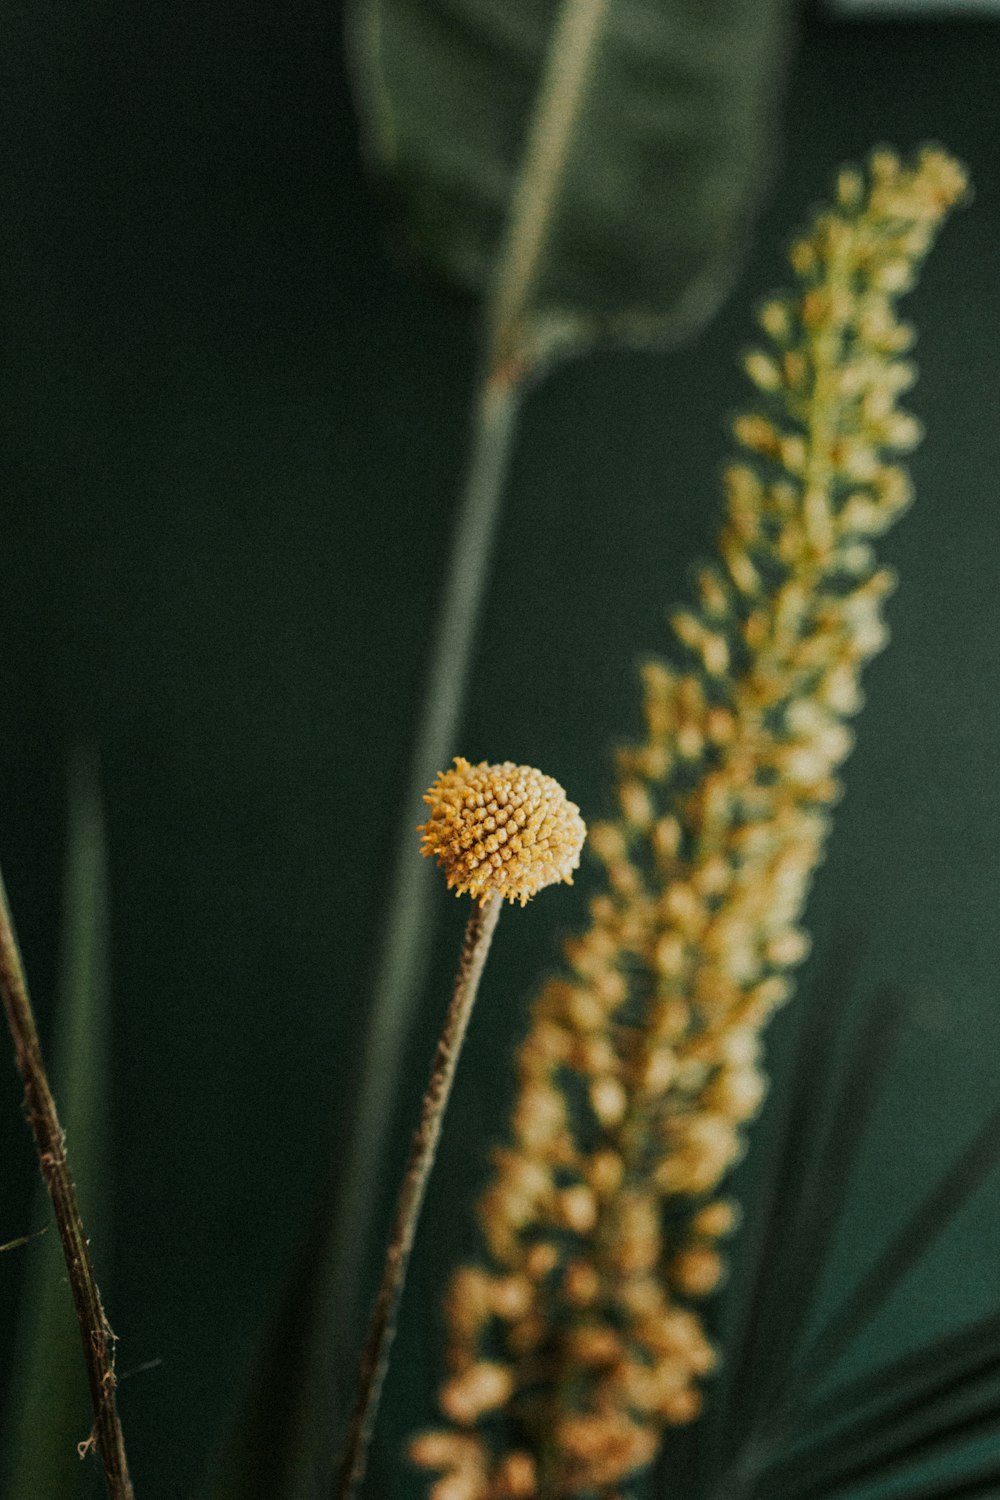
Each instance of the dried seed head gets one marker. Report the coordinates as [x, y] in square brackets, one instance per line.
[505, 829]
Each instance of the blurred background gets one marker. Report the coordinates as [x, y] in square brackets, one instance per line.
[232, 436]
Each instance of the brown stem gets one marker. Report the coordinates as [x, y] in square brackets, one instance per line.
[381, 1330]
[40, 1109]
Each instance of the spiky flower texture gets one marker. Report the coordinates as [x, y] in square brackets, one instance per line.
[569, 1353]
[502, 828]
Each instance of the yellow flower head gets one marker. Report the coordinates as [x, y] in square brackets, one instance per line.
[504, 828]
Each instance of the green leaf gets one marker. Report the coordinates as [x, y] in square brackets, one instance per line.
[49, 1409]
[270, 1449]
[23, 1239]
[588, 168]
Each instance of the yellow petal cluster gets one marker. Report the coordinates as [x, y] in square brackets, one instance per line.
[643, 1063]
[501, 828]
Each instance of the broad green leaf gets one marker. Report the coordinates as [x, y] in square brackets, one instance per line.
[49, 1410]
[589, 168]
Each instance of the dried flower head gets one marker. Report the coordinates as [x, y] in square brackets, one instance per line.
[505, 828]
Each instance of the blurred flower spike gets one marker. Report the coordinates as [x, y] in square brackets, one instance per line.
[501, 829]
[579, 1340]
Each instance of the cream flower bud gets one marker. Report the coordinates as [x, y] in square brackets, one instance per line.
[481, 1388]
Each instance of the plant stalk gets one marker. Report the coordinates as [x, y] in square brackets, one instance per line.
[375, 1359]
[562, 94]
[403, 959]
[40, 1109]
[509, 365]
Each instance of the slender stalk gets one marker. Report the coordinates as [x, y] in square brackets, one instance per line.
[508, 367]
[403, 952]
[375, 1360]
[402, 966]
[40, 1109]
[561, 96]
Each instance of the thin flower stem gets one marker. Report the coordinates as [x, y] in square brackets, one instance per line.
[560, 100]
[402, 967]
[95, 1331]
[375, 1359]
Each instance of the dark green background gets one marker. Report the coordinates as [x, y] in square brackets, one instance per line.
[232, 437]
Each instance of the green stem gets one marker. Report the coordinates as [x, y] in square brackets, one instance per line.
[375, 1360]
[403, 960]
[542, 171]
[509, 364]
[95, 1332]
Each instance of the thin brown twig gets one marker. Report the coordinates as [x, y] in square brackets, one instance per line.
[40, 1110]
[381, 1331]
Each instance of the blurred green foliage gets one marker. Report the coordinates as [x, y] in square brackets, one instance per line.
[654, 123]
